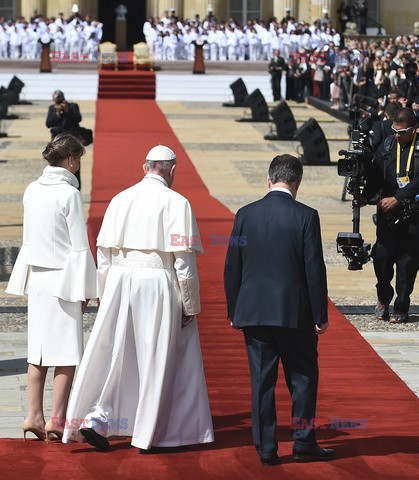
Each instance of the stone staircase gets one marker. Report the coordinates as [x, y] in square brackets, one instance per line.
[127, 84]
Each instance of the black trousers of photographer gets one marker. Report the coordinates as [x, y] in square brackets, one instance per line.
[400, 248]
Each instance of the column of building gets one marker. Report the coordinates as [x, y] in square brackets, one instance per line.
[27, 7]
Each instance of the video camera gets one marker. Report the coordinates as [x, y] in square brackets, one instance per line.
[354, 167]
[355, 161]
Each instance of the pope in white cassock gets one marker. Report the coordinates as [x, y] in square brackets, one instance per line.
[142, 373]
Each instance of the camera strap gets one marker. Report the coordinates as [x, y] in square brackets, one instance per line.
[409, 159]
[388, 145]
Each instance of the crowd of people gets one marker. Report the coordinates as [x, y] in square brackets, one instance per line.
[172, 38]
[370, 68]
[314, 58]
[76, 35]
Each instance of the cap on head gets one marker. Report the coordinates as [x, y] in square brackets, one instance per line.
[160, 153]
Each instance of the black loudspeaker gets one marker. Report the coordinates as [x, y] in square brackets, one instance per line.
[3, 115]
[240, 92]
[3, 109]
[316, 149]
[15, 85]
[257, 103]
[284, 122]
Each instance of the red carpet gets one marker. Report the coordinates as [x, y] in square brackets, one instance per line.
[356, 386]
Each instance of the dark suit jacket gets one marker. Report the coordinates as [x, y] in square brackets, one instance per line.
[381, 130]
[68, 121]
[277, 276]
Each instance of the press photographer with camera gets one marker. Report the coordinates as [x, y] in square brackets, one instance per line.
[64, 117]
[394, 174]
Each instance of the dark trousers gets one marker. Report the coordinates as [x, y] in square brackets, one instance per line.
[276, 85]
[397, 248]
[298, 351]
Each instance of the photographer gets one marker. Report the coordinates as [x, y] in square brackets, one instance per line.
[64, 117]
[395, 174]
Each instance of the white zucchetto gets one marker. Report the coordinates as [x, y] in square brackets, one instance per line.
[160, 153]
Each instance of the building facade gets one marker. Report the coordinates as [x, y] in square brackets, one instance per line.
[396, 19]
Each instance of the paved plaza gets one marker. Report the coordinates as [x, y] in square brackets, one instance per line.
[232, 158]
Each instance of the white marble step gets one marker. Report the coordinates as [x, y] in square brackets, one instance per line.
[179, 87]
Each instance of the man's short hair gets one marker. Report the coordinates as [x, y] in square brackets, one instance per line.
[286, 169]
[161, 167]
[407, 116]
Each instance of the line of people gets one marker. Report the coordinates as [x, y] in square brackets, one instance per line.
[171, 38]
[22, 39]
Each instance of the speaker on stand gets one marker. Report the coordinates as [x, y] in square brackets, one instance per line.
[8, 97]
[239, 92]
[3, 116]
[314, 143]
[15, 86]
[284, 122]
[257, 103]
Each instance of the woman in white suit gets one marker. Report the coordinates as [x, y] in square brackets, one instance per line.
[56, 268]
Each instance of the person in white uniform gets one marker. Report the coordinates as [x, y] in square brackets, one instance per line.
[56, 268]
[142, 373]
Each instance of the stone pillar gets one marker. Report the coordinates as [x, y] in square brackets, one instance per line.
[279, 7]
[86, 7]
[28, 6]
[167, 5]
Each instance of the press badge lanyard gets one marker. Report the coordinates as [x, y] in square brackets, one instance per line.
[403, 181]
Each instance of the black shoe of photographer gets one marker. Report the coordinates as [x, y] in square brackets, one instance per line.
[374, 219]
[93, 438]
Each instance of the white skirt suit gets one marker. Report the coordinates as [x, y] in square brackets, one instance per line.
[55, 268]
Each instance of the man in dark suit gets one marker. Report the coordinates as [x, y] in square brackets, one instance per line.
[275, 284]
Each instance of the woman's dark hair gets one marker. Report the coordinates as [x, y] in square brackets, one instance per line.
[61, 147]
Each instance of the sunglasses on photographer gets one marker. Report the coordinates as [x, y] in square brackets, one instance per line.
[401, 131]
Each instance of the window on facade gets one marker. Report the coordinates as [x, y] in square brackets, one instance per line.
[7, 9]
[243, 10]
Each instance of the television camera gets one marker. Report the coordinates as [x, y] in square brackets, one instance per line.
[354, 167]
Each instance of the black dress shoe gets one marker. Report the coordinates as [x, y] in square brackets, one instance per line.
[93, 438]
[269, 462]
[313, 454]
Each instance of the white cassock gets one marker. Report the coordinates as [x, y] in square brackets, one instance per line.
[142, 373]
